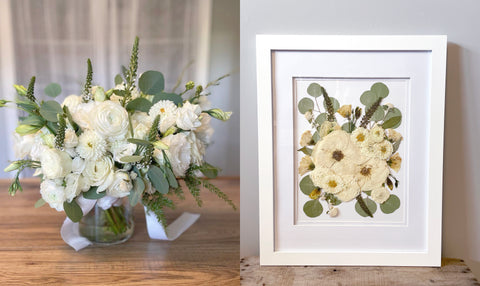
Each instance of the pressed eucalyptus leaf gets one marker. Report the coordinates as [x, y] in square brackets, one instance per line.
[305, 104]
[321, 118]
[371, 205]
[316, 137]
[305, 150]
[348, 127]
[390, 205]
[378, 115]
[315, 90]
[335, 103]
[368, 98]
[313, 208]
[393, 122]
[306, 185]
[380, 89]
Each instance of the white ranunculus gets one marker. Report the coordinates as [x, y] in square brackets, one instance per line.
[178, 153]
[100, 173]
[72, 186]
[187, 116]
[91, 145]
[121, 186]
[122, 149]
[110, 120]
[53, 193]
[23, 145]
[205, 131]
[55, 163]
[71, 139]
[197, 149]
[168, 114]
[380, 195]
[72, 101]
[82, 114]
[78, 165]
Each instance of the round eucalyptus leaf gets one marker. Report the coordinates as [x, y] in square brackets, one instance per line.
[371, 205]
[151, 82]
[393, 118]
[305, 104]
[368, 98]
[380, 89]
[390, 205]
[315, 90]
[321, 118]
[316, 137]
[306, 185]
[378, 114]
[313, 208]
[335, 103]
[53, 90]
[348, 127]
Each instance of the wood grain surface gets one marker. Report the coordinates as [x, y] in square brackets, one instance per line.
[32, 251]
[453, 272]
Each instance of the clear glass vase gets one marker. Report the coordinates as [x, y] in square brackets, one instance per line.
[111, 226]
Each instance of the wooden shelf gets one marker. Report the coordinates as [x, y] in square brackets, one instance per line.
[33, 253]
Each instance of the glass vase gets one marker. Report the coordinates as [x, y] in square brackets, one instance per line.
[111, 226]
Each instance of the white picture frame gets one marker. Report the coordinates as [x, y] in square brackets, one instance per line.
[283, 58]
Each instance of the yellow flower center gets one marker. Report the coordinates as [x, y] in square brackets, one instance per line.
[332, 184]
[90, 144]
[365, 171]
[360, 137]
[383, 149]
[162, 110]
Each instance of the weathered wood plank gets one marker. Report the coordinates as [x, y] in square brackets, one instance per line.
[452, 272]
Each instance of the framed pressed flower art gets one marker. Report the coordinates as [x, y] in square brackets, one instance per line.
[350, 149]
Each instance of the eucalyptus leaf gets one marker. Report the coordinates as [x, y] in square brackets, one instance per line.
[380, 89]
[151, 82]
[39, 203]
[393, 113]
[137, 191]
[306, 185]
[390, 205]
[368, 98]
[371, 205]
[139, 104]
[305, 104]
[139, 142]
[335, 103]
[378, 115]
[53, 90]
[305, 150]
[209, 171]
[118, 79]
[73, 210]
[172, 180]
[177, 99]
[393, 122]
[50, 109]
[313, 208]
[93, 195]
[316, 137]
[315, 90]
[348, 127]
[158, 179]
[131, 159]
[321, 118]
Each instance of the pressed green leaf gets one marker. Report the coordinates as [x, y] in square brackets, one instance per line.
[139, 142]
[73, 210]
[378, 114]
[335, 103]
[151, 82]
[369, 193]
[315, 90]
[380, 89]
[93, 195]
[313, 208]
[316, 137]
[53, 90]
[137, 191]
[390, 205]
[371, 205]
[50, 109]
[321, 118]
[306, 185]
[139, 104]
[172, 180]
[306, 150]
[39, 203]
[392, 113]
[158, 179]
[305, 104]
[177, 99]
[118, 79]
[348, 127]
[131, 159]
[209, 171]
[393, 122]
[368, 98]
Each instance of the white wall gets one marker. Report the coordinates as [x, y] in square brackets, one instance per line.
[457, 19]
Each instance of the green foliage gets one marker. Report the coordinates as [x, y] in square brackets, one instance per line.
[380, 89]
[322, 117]
[53, 90]
[151, 82]
[39, 203]
[193, 183]
[306, 185]
[33, 120]
[305, 150]
[137, 191]
[368, 115]
[92, 194]
[313, 208]
[21, 90]
[139, 104]
[331, 198]
[316, 137]
[50, 110]
[219, 114]
[378, 115]
[30, 91]
[208, 170]
[390, 205]
[87, 89]
[214, 189]
[315, 90]
[158, 179]
[27, 106]
[139, 142]
[305, 104]
[177, 99]
[118, 79]
[132, 71]
[335, 104]
[348, 127]
[155, 203]
[131, 159]
[73, 210]
[393, 118]
[365, 207]
[60, 137]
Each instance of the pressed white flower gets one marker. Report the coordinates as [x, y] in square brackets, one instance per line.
[91, 145]
[110, 120]
[72, 186]
[23, 145]
[178, 153]
[71, 139]
[55, 163]
[188, 116]
[53, 193]
[308, 115]
[100, 173]
[359, 136]
[327, 180]
[372, 174]
[306, 164]
[306, 138]
[393, 135]
[122, 149]
[204, 132]
[334, 148]
[395, 162]
[121, 185]
[168, 114]
[380, 195]
[350, 191]
[327, 127]
[376, 134]
[383, 150]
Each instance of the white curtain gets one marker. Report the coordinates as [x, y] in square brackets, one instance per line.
[52, 39]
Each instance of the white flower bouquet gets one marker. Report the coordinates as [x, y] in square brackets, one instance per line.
[134, 140]
[351, 158]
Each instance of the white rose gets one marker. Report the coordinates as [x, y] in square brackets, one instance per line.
[71, 139]
[72, 101]
[55, 164]
[205, 131]
[121, 149]
[23, 144]
[197, 148]
[187, 116]
[380, 195]
[178, 153]
[110, 119]
[121, 185]
[72, 186]
[82, 114]
[53, 193]
[100, 173]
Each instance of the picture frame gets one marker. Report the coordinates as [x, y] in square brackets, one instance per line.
[293, 67]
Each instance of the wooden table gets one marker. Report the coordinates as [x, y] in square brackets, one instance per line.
[33, 253]
[453, 272]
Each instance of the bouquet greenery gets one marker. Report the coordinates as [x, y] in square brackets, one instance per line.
[134, 140]
[351, 158]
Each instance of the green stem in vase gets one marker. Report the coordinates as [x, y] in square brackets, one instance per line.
[111, 220]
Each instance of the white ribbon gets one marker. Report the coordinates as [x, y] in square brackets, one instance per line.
[175, 229]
